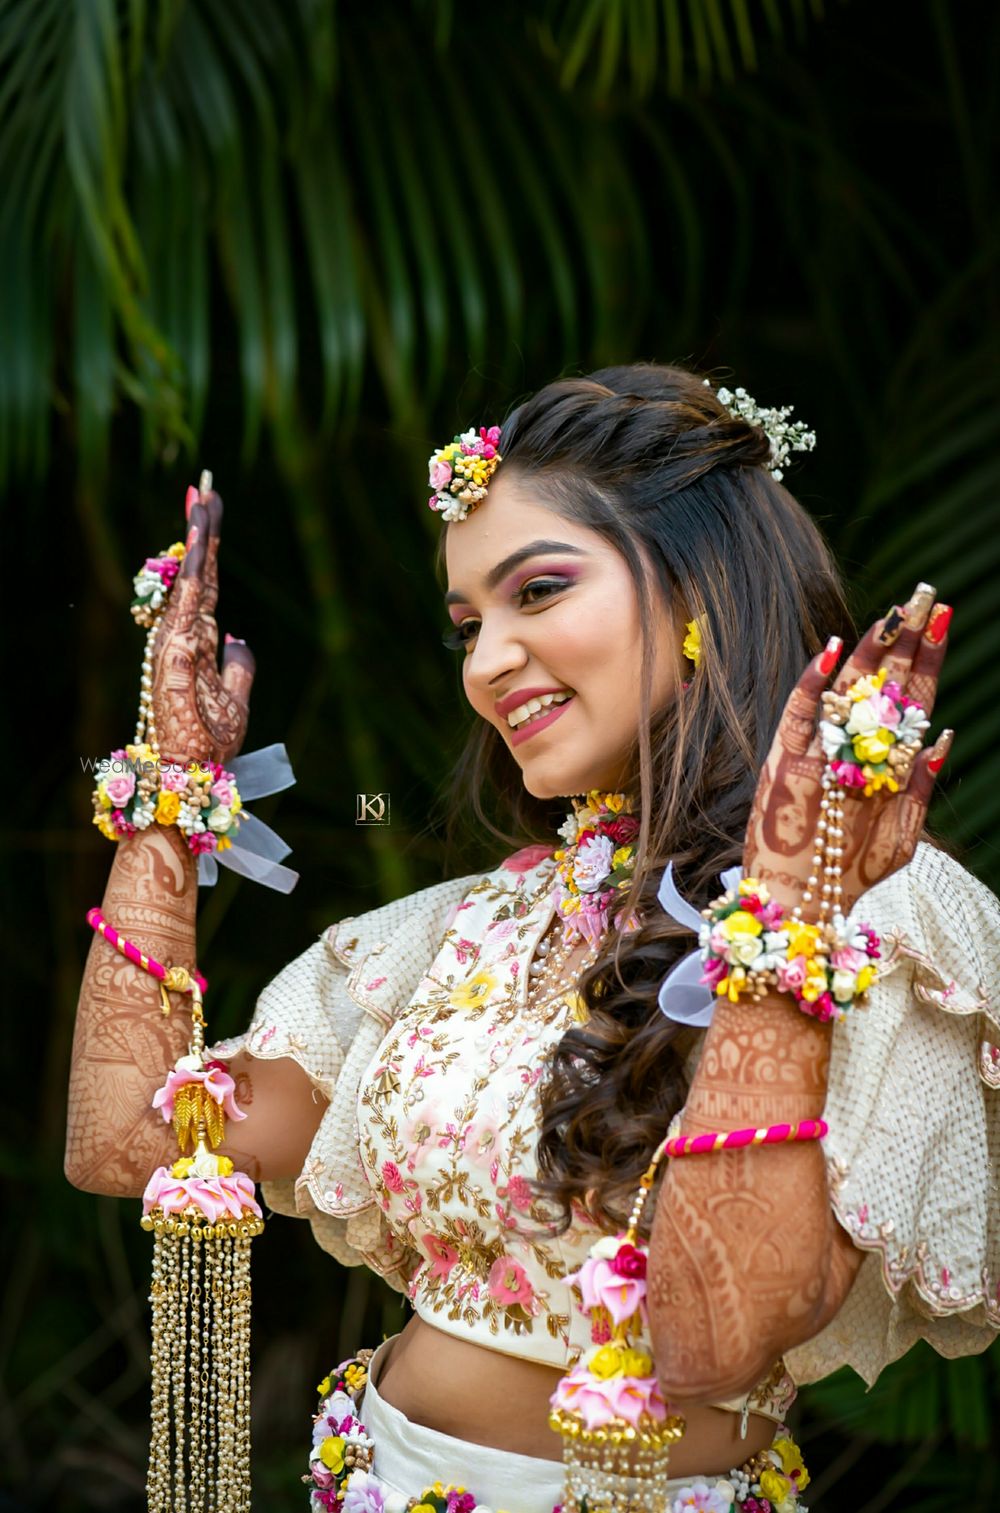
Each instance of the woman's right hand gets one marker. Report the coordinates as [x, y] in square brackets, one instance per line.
[200, 714]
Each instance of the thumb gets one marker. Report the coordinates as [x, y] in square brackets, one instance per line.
[239, 667]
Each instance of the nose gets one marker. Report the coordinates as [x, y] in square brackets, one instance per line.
[498, 654]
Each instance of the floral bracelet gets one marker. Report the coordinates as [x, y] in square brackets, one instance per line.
[138, 788]
[749, 946]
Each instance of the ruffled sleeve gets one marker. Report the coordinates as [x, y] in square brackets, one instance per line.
[329, 1009]
[914, 1115]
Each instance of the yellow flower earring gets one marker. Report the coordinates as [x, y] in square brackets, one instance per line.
[692, 642]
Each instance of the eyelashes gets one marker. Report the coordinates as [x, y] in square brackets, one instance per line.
[462, 635]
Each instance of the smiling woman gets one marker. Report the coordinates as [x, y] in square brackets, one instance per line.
[469, 1090]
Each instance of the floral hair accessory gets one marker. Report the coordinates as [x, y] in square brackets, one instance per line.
[692, 641]
[748, 945]
[596, 864]
[459, 472]
[871, 733]
[784, 437]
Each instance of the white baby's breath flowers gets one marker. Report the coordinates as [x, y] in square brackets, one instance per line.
[784, 436]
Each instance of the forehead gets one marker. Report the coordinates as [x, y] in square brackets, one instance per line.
[509, 518]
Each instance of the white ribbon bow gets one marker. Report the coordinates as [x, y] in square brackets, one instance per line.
[682, 996]
[256, 849]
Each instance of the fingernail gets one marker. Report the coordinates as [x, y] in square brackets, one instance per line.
[190, 498]
[919, 605]
[939, 756]
[937, 625]
[831, 652]
[894, 623]
[237, 640]
[191, 538]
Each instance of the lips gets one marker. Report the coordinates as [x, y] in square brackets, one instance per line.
[533, 727]
[522, 695]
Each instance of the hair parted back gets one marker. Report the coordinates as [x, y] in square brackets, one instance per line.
[647, 456]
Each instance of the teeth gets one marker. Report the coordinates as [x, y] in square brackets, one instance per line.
[525, 712]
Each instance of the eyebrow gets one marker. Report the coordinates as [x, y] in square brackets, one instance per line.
[533, 549]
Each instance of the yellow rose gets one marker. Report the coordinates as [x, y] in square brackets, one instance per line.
[692, 642]
[802, 939]
[865, 978]
[167, 806]
[607, 1362]
[791, 1460]
[177, 550]
[636, 1363]
[774, 1486]
[741, 923]
[325, 1387]
[471, 993]
[102, 793]
[874, 747]
[331, 1453]
[237, 803]
[621, 856]
[614, 801]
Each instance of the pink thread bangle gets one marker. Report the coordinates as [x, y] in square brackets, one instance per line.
[97, 922]
[774, 1134]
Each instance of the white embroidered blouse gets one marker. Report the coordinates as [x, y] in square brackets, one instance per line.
[412, 1020]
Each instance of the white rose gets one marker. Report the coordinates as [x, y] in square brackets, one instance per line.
[831, 738]
[220, 819]
[395, 1502]
[863, 719]
[745, 949]
[593, 864]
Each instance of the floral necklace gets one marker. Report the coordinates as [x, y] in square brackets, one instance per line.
[596, 864]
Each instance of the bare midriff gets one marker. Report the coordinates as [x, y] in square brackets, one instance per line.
[482, 1395]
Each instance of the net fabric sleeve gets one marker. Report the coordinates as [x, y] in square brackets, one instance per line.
[914, 1143]
[328, 1010]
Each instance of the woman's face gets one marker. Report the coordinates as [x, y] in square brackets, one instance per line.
[545, 605]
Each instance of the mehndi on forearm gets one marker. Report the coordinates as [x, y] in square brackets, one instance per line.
[742, 1238]
[123, 1041]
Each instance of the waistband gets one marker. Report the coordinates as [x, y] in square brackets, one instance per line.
[364, 1444]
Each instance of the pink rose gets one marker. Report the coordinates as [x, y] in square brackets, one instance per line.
[440, 474]
[173, 777]
[120, 789]
[223, 792]
[888, 712]
[792, 974]
[848, 773]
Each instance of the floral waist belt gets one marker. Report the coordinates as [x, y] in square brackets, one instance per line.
[343, 1472]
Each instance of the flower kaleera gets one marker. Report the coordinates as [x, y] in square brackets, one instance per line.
[203, 1215]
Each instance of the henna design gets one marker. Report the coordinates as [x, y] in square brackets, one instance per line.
[201, 715]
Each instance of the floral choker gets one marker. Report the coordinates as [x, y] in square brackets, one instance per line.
[596, 863]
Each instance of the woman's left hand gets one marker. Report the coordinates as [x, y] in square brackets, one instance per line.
[880, 831]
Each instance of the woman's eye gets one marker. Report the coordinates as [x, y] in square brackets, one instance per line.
[466, 630]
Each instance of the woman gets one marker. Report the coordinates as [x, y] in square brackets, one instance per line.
[423, 1082]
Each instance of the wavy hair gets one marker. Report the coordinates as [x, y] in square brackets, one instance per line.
[647, 456]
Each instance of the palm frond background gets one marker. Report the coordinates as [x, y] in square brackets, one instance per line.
[301, 244]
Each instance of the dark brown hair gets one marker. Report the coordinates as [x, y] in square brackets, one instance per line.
[649, 458]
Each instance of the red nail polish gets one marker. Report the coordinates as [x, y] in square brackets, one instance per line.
[191, 497]
[935, 763]
[937, 625]
[831, 652]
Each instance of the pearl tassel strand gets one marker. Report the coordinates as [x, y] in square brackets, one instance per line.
[826, 874]
[547, 978]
